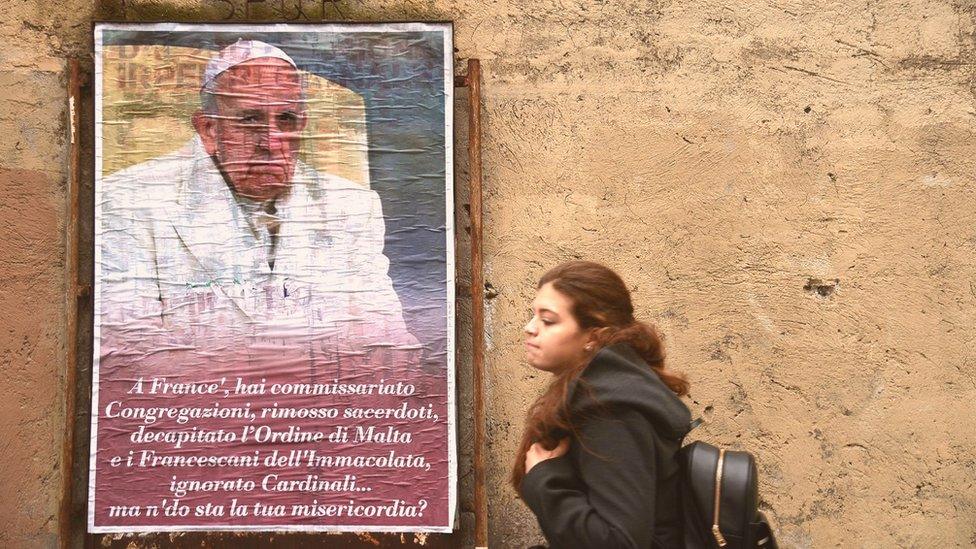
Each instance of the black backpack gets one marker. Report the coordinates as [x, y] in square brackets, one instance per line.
[720, 500]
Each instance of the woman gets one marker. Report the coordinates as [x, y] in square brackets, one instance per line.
[597, 460]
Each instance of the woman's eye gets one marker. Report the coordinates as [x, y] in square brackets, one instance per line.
[547, 322]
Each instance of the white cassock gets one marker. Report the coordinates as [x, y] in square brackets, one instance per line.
[180, 254]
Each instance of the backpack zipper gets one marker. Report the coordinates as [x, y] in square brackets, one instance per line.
[719, 538]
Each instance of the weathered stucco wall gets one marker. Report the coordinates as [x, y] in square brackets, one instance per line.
[33, 179]
[788, 187]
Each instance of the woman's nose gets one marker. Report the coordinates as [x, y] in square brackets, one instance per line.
[530, 327]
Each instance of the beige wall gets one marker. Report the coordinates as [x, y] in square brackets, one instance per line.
[33, 153]
[787, 186]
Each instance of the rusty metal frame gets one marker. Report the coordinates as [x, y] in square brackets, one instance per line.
[77, 294]
[473, 82]
[74, 293]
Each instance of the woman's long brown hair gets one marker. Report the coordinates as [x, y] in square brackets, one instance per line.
[601, 300]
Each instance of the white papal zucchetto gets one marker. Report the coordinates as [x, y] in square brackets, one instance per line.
[237, 53]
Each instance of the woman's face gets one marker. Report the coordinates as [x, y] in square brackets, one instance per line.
[553, 339]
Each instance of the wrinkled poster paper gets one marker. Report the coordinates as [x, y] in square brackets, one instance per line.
[274, 308]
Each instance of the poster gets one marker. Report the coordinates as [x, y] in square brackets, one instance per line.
[274, 301]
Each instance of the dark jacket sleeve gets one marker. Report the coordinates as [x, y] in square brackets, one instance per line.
[609, 503]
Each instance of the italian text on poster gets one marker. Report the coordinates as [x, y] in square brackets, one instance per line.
[274, 302]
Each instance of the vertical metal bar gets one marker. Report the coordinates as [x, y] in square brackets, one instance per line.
[477, 301]
[71, 301]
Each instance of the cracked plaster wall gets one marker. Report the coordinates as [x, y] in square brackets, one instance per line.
[787, 186]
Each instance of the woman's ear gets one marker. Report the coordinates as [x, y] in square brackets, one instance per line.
[593, 337]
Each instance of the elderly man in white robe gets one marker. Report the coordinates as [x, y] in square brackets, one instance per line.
[233, 236]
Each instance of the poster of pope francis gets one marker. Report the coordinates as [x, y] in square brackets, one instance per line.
[274, 304]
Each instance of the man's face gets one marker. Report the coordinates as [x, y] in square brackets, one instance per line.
[255, 134]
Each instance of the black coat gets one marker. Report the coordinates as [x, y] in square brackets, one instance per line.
[618, 486]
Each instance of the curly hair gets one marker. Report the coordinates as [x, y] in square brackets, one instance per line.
[600, 300]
